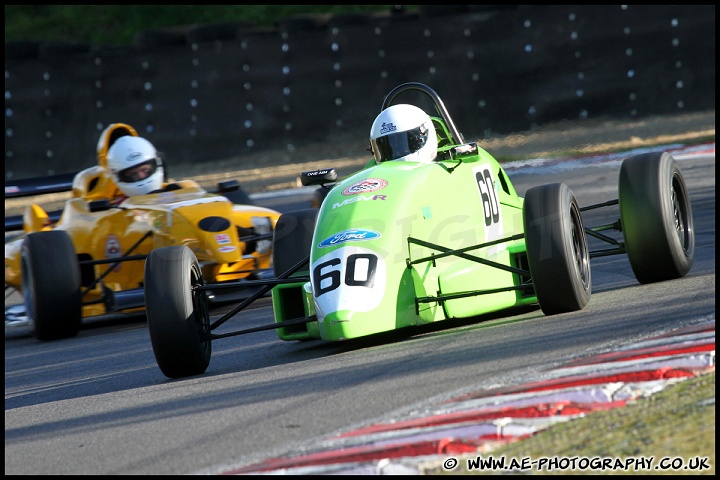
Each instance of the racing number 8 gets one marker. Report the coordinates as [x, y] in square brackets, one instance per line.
[489, 197]
[351, 273]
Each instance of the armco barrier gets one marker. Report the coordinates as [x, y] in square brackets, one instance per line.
[209, 92]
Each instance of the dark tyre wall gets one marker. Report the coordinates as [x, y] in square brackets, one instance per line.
[209, 92]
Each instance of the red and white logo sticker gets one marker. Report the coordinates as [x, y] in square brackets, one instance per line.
[222, 238]
[365, 186]
[112, 249]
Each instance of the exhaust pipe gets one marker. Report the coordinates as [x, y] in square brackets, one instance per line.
[124, 300]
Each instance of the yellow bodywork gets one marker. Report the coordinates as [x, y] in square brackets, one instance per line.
[207, 223]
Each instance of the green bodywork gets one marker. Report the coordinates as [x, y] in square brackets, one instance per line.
[377, 260]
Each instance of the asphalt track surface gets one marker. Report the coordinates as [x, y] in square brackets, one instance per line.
[98, 404]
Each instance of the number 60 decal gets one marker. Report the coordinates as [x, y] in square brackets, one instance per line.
[348, 278]
[360, 271]
[491, 206]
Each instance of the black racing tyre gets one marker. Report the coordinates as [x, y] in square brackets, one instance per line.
[178, 315]
[656, 217]
[557, 249]
[292, 239]
[51, 285]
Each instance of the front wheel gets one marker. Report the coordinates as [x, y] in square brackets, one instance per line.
[51, 284]
[557, 249]
[178, 314]
[656, 217]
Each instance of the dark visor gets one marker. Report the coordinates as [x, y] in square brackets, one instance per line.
[397, 145]
[138, 172]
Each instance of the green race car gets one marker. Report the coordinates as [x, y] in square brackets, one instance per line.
[431, 229]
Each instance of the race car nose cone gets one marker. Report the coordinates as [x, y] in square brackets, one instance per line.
[345, 324]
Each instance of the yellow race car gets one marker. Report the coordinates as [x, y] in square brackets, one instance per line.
[90, 261]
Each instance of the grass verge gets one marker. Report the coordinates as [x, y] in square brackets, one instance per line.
[677, 423]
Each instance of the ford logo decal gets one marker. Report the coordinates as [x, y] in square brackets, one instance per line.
[354, 235]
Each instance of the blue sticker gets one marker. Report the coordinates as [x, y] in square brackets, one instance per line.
[354, 235]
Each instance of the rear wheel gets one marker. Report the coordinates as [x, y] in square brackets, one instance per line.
[292, 240]
[656, 216]
[178, 314]
[557, 249]
[51, 285]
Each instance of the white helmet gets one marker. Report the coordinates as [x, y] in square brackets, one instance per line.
[403, 132]
[135, 166]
